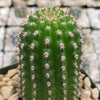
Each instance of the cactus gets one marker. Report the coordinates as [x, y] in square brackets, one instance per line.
[50, 56]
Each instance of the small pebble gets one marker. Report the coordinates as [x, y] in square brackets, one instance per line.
[2, 84]
[14, 97]
[95, 93]
[1, 77]
[5, 79]
[87, 83]
[7, 91]
[12, 72]
[85, 94]
[1, 97]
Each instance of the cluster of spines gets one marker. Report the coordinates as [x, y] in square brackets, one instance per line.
[21, 68]
[33, 67]
[47, 66]
[63, 67]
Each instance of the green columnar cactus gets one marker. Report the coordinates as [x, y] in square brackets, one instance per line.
[50, 56]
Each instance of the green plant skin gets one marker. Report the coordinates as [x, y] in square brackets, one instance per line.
[51, 52]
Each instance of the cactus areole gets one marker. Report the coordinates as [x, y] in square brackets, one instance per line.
[50, 56]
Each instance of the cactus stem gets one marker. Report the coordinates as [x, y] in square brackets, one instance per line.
[49, 53]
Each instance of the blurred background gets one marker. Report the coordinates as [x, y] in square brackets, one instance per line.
[87, 13]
